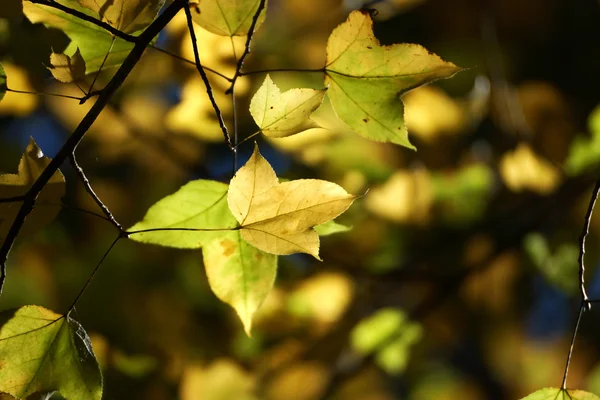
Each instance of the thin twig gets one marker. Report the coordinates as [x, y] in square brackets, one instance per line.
[112, 43]
[185, 60]
[268, 71]
[12, 199]
[582, 308]
[78, 14]
[90, 191]
[200, 69]
[91, 277]
[71, 143]
[74, 208]
[129, 233]
[44, 94]
[234, 112]
[240, 64]
[584, 233]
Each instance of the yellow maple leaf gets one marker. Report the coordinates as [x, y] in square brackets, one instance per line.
[279, 218]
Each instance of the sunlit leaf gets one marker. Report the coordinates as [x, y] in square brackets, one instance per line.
[560, 394]
[93, 42]
[367, 79]
[239, 274]
[126, 15]
[31, 166]
[199, 204]
[42, 352]
[524, 170]
[283, 114]
[279, 217]
[3, 86]
[67, 69]
[227, 17]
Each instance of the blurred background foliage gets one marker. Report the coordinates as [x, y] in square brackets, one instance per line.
[459, 278]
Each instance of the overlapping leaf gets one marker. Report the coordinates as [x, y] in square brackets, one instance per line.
[367, 79]
[67, 69]
[279, 218]
[228, 17]
[561, 394]
[128, 16]
[239, 274]
[31, 166]
[199, 204]
[93, 42]
[42, 352]
[3, 80]
[283, 114]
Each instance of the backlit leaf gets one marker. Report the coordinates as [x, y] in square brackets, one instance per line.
[126, 15]
[3, 86]
[279, 218]
[227, 17]
[42, 352]
[283, 114]
[31, 166]
[367, 79]
[67, 69]
[560, 394]
[199, 204]
[92, 41]
[330, 228]
[524, 170]
[239, 274]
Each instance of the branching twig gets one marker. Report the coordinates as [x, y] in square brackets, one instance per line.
[90, 190]
[71, 143]
[586, 304]
[240, 63]
[209, 91]
[78, 14]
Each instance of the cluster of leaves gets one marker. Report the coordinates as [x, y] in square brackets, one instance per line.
[243, 226]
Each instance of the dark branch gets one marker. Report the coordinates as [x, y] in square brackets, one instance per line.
[67, 149]
[125, 36]
[240, 63]
[90, 190]
[209, 91]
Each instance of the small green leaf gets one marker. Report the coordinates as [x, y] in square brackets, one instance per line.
[3, 81]
[227, 17]
[200, 204]
[283, 114]
[330, 228]
[389, 335]
[239, 274]
[93, 42]
[42, 352]
[584, 152]
[560, 394]
[367, 79]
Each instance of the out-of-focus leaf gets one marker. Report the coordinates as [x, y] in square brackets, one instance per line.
[126, 15]
[283, 114]
[228, 17]
[279, 218]
[560, 394]
[221, 380]
[585, 152]
[523, 170]
[93, 42]
[330, 228]
[389, 334]
[239, 274]
[199, 204]
[31, 166]
[42, 352]
[67, 69]
[3, 85]
[302, 381]
[367, 79]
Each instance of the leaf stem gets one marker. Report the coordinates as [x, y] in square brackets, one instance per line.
[248, 138]
[91, 277]
[267, 71]
[582, 308]
[44, 94]
[78, 14]
[240, 64]
[71, 143]
[129, 233]
[93, 195]
[200, 69]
